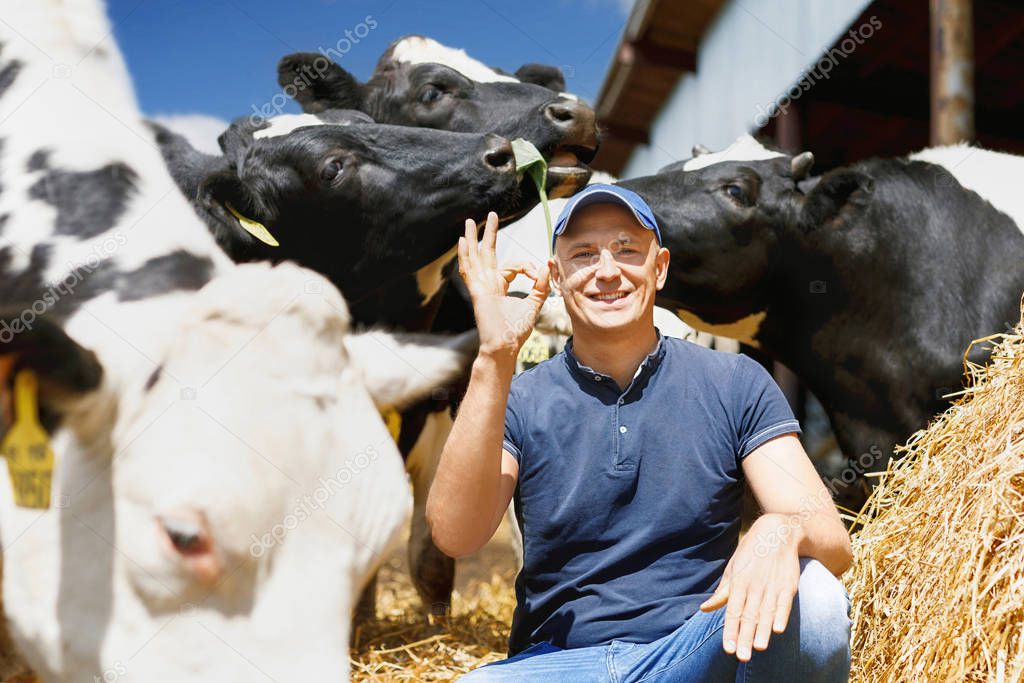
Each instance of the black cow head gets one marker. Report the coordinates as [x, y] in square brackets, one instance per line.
[737, 228]
[360, 202]
[462, 95]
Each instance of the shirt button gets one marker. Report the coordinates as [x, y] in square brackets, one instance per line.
[622, 429]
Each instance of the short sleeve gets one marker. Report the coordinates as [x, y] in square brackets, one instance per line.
[513, 431]
[761, 411]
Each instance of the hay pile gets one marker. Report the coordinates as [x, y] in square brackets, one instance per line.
[938, 575]
[402, 646]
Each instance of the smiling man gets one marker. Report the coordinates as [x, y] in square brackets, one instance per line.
[626, 456]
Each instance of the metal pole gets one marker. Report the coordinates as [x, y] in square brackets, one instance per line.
[952, 72]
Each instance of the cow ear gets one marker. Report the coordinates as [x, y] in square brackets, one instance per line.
[546, 76]
[317, 83]
[836, 194]
[401, 369]
[65, 368]
[239, 137]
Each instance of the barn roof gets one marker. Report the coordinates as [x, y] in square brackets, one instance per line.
[658, 45]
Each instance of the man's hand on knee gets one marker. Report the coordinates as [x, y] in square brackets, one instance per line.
[758, 585]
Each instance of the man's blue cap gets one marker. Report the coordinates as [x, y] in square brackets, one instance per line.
[600, 193]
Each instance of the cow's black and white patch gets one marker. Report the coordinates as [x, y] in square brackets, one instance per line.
[88, 203]
[25, 287]
[179, 270]
[22, 287]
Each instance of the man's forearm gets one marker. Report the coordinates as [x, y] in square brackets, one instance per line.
[823, 537]
[465, 494]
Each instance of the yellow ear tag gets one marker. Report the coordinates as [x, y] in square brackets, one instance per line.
[393, 420]
[27, 447]
[254, 228]
[535, 350]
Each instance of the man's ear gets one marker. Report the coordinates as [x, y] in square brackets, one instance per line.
[65, 368]
[317, 83]
[840, 191]
[401, 369]
[556, 274]
[661, 261]
[544, 75]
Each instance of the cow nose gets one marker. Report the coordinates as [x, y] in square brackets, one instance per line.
[565, 113]
[498, 155]
[575, 122]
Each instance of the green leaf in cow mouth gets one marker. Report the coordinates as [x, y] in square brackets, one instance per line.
[529, 161]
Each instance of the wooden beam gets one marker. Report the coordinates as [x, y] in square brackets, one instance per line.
[623, 133]
[647, 54]
[952, 72]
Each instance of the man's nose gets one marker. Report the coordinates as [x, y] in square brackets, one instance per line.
[607, 268]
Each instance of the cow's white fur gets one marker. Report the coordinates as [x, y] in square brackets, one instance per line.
[286, 123]
[423, 50]
[746, 148]
[261, 400]
[995, 176]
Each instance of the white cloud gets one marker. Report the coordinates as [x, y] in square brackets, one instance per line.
[201, 130]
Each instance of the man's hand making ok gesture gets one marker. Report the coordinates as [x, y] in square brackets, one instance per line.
[504, 322]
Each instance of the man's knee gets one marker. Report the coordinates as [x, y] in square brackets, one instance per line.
[485, 674]
[824, 611]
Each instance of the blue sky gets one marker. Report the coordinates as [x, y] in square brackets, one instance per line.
[219, 57]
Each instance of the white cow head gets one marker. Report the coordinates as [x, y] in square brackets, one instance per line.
[223, 529]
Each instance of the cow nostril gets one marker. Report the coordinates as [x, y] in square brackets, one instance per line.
[560, 112]
[499, 155]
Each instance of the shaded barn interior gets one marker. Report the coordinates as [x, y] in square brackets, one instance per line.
[874, 102]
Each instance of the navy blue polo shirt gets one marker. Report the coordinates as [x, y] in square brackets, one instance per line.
[629, 501]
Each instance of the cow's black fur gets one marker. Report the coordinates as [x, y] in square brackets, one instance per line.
[8, 73]
[88, 203]
[436, 96]
[398, 204]
[874, 280]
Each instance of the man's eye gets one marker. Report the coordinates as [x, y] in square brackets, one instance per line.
[583, 254]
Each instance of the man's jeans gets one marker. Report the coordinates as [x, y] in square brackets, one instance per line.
[814, 647]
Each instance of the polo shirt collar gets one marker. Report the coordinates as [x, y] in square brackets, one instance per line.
[647, 366]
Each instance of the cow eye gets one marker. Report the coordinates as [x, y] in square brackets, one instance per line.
[332, 170]
[430, 93]
[737, 193]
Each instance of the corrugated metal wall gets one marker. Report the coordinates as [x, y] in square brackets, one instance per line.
[751, 54]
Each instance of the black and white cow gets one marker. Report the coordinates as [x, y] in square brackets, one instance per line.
[420, 82]
[364, 204]
[223, 482]
[869, 282]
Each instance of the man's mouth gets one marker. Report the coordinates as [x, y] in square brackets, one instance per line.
[608, 297]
